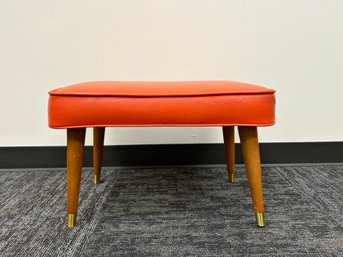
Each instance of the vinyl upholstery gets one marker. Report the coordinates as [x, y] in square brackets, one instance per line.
[181, 103]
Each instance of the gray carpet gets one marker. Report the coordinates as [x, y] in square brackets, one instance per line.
[173, 212]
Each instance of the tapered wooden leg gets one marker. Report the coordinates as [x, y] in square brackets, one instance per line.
[75, 148]
[251, 156]
[98, 145]
[229, 142]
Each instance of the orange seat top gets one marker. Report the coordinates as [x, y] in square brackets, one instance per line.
[190, 103]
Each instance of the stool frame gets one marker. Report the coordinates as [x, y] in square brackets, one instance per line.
[250, 150]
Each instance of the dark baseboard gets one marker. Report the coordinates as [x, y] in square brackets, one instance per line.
[174, 154]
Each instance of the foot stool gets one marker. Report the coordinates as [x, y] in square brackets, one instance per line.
[145, 104]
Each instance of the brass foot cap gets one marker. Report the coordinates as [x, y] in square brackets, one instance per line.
[231, 177]
[71, 220]
[260, 219]
[96, 180]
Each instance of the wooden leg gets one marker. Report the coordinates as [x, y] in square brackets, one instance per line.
[229, 142]
[98, 145]
[75, 148]
[251, 156]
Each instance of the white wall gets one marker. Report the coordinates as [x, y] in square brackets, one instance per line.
[294, 46]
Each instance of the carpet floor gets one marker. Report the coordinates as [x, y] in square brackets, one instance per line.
[173, 212]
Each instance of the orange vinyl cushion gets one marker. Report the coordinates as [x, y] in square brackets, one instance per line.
[191, 103]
